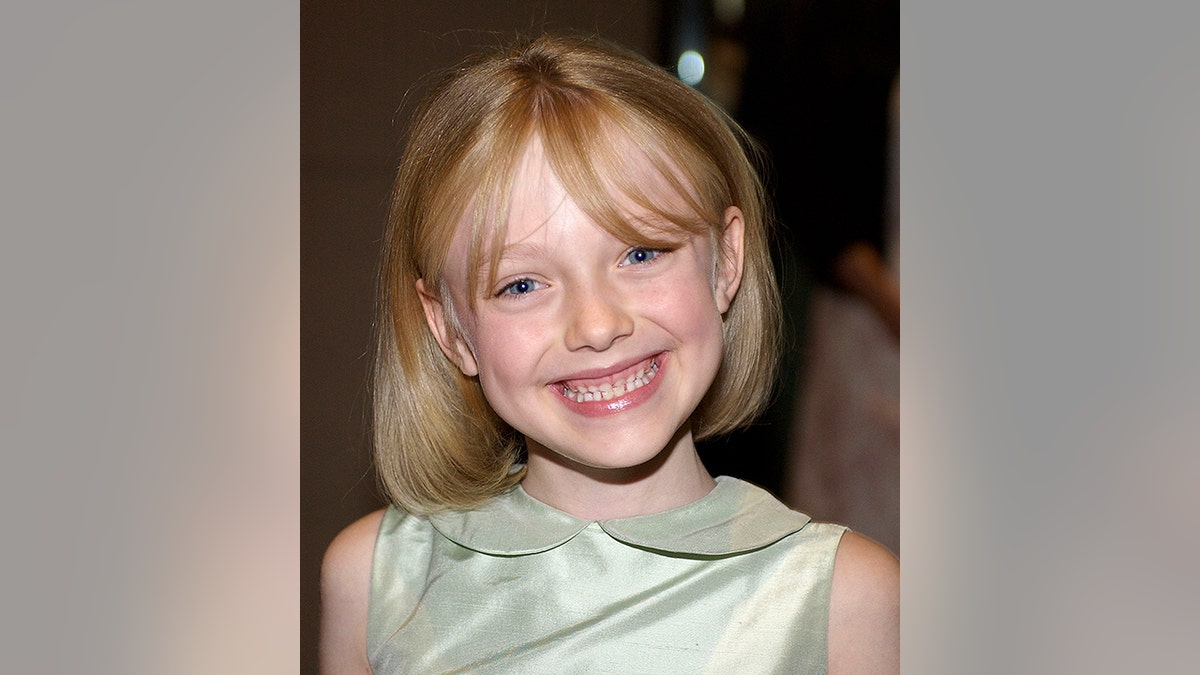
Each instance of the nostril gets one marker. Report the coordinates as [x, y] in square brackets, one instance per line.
[598, 322]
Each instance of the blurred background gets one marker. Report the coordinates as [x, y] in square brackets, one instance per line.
[815, 82]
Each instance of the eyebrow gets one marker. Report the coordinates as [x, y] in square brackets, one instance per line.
[519, 252]
[654, 231]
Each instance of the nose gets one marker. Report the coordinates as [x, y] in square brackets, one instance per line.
[598, 318]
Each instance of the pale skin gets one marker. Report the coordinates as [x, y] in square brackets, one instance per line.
[572, 306]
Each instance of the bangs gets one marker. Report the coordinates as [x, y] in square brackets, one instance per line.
[622, 175]
[613, 164]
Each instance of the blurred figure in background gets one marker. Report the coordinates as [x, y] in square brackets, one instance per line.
[821, 94]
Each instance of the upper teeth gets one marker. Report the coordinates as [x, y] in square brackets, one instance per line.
[607, 391]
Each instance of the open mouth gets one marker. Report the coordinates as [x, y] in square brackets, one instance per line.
[611, 388]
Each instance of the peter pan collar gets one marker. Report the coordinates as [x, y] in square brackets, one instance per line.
[734, 517]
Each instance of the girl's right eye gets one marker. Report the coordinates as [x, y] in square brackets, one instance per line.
[519, 287]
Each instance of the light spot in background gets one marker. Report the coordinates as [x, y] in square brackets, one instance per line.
[691, 67]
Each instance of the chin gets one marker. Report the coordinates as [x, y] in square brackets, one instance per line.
[620, 455]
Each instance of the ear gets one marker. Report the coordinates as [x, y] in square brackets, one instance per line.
[729, 262]
[448, 338]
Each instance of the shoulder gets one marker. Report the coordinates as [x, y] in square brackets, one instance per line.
[864, 608]
[350, 552]
[345, 588]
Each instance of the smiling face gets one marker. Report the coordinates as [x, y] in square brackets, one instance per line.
[596, 349]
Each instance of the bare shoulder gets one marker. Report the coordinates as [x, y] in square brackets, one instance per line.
[864, 608]
[345, 587]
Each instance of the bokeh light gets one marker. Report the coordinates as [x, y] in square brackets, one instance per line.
[691, 67]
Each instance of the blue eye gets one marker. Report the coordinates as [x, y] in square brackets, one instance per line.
[641, 256]
[519, 287]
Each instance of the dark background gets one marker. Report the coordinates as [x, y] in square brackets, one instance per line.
[795, 67]
[359, 61]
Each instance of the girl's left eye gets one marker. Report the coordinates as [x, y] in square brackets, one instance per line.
[641, 256]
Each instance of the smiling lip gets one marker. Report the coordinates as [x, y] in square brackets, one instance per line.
[604, 392]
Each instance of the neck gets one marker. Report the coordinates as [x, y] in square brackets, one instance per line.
[674, 478]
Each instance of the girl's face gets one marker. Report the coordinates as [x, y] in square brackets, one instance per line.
[595, 350]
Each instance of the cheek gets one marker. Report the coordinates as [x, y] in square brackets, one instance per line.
[692, 315]
[686, 301]
[507, 351]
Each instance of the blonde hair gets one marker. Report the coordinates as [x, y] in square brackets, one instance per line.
[437, 441]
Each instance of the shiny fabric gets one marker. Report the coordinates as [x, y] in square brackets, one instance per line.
[732, 583]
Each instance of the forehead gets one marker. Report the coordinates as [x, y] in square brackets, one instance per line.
[536, 194]
[624, 190]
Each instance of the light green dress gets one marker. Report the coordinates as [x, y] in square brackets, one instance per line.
[732, 583]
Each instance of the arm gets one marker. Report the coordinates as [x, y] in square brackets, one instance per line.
[345, 587]
[864, 608]
[862, 271]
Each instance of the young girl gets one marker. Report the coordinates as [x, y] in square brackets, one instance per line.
[576, 286]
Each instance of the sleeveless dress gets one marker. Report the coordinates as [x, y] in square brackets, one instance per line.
[734, 582]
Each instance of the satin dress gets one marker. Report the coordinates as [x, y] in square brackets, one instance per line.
[732, 583]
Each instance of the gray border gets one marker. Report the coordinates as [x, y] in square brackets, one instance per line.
[1049, 216]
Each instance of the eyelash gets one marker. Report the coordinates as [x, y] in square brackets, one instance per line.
[510, 289]
[656, 253]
